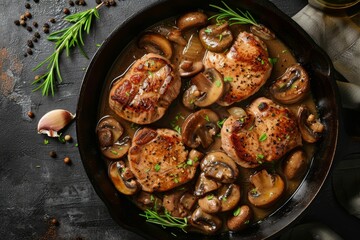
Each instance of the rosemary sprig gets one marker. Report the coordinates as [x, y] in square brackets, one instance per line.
[66, 38]
[232, 16]
[165, 220]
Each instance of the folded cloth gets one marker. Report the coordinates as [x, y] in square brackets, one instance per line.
[340, 38]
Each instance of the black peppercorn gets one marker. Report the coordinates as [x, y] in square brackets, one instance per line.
[30, 114]
[37, 35]
[98, 1]
[23, 17]
[27, 5]
[71, 3]
[46, 25]
[30, 44]
[34, 39]
[35, 24]
[46, 30]
[29, 51]
[17, 22]
[36, 1]
[28, 14]
[29, 28]
[25, 54]
[52, 154]
[66, 11]
[52, 20]
[23, 23]
[77, 2]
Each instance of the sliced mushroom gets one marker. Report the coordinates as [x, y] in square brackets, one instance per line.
[172, 204]
[293, 86]
[121, 178]
[310, 127]
[199, 128]
[229, 195]
[172, 33]
[207, 87]
[205, 185]
[216, 38]
[240, 219]
[295, 165]
[220, 167]
[145, 200]
[188, 201]
[262, 32]
[109, 131]
[268, 189]
[206, 223]
[156, 43]
[210, 203]
[191, 58]
[192, 20]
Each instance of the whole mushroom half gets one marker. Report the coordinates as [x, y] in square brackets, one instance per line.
[205, 185]
[262, 32]
[216, 38]
[156, 43]
[191, 20]
[122, 178]
[220, 167]
[293, 86]
[295, 165]
[205, 222]
[240, 219]
[200, 128]
[268, 189]
[109, 132]
[310, 127]
[207, 87]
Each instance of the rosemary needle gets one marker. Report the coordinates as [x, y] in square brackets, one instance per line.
[165, 220]
[66, 38]
[232, 16]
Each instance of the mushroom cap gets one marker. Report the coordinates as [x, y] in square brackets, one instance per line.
[205, 222]
[199, 128]
[216, 38]
[292, 87]
[310, 129]
[268, 189]
[156, 43]
[125, 186]
[191, 20]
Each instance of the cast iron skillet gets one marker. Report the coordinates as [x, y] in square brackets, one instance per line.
[305, 50]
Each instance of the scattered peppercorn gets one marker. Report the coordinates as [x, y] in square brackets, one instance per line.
[30, 44]
[34, 39]
[46, 30]
[25, 54]
[67, 138]
[66, 11]
[36, 1]
[54, 222]
[30, 114]
[77, 2]
[35, 24]
[29, 28]
[98, 1]
[46, 25]
[71, 3]
[52, 154]
[37, 77]
[67, 160]
[37, 35]
[28, 14]
[27, 5]
[17, 22]
[82, 2]
[52, 20]
[29, 51]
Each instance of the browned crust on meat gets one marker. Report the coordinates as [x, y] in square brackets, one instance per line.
[246, 64]
[265, 135]
[146, 90]
[158, 158]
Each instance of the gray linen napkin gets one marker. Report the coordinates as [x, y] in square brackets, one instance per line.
[340, 38]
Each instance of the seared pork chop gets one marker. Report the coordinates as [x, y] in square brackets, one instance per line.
[147, 89]
[245, 67]
[158, 159]
[267, 133]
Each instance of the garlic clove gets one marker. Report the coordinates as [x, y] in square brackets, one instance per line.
[52, 122]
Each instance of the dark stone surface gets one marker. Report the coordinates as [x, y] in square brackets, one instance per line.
[34, 187]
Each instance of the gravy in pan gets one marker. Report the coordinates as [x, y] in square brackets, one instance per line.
[177, 113]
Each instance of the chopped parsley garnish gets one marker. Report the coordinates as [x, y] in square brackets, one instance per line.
[228, 79]
[46, 141]
[208, 30]
[220, 123]
[273, 60]
[207, 118]
[236, 212]
[263, 137]
[218, 83]
[210, 197]
[157, 167]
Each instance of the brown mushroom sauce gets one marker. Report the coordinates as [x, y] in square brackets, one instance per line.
[176, 115]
